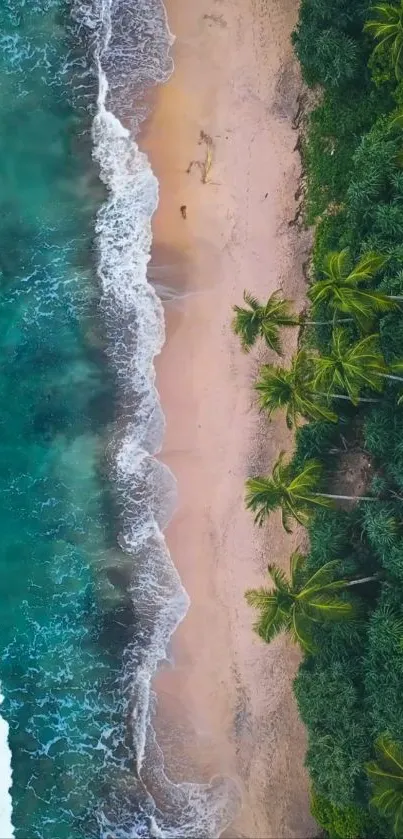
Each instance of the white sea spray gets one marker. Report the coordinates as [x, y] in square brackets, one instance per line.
[135, 322]
[6, 826]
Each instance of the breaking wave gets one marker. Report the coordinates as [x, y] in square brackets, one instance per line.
[131, 49]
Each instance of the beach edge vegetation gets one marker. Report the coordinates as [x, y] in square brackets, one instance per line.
[343, 601]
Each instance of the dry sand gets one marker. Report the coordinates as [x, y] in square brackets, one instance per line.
[236, 81]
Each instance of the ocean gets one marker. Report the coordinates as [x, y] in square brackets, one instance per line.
[89, 594]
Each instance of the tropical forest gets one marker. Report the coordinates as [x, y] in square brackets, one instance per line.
[342, 392]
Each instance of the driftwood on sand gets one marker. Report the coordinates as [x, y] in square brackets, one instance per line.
[206, 164]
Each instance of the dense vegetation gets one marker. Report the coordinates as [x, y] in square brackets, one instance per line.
[345, 382]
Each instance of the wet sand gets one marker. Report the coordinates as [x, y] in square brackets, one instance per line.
[226, 704]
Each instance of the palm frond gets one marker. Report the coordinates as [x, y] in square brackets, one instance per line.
[284, 389]
[280, 310]
[350, 368]
[297, 562]
[260, 598]
[262, 497]
[335, 265]
[281, 470]
[387, 29]
[366, 268]
[302, 631]
[272, 619]
[287, 519]
[271, 334]
[291, 510]
[386, 776]
[303, 484]
[268, 626]
[252, 301]
[246, 325]
[279, 577]
[321, 577]
[390, 755]
[340, 288]
[325, 607]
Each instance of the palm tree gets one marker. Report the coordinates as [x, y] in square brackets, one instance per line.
[295, 495]
[289, 389]
[294, 391]
[263, 321]
[351, 368]
[386, 775]
[340, 288]
[387, 29]
[295, 605]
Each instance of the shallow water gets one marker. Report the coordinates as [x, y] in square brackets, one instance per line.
[88, 593]
[60, 681]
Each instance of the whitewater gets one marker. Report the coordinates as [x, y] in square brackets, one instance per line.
[6, 826]
[91, 595]
[131, 53]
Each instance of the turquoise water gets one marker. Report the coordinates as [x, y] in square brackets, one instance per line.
[89, 596]
[60, 661]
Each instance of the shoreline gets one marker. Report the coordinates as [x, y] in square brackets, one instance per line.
[227, 696]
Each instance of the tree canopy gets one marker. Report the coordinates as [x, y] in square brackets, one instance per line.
[296, 604]
[263, 320]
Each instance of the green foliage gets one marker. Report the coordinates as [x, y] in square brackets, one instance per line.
[351, 691]
[296, 494]
[375, 184]
[382, 527]
[329, 232]
[297, 604]
[291, 390]
[340, 287]
[380, 429]
[262, 320]
[383, 666]
[334, 131]
[349, 368]
[316, 439]
[327, 42]
[386, 775]
[386, 27]
[328, 697]
[349, 822]
[337, 533]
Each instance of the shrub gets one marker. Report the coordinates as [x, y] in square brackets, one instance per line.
[351, 822]
[328, 43]
[381, 527]
[334, 132]
[316, 439]
[328, 697]
[383, 667]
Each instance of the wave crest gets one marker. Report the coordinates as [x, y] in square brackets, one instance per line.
[131, 45]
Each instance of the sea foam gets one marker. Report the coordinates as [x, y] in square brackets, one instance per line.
[131, 46]
[6, 826]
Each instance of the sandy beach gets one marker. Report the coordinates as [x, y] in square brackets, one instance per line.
[230, 102]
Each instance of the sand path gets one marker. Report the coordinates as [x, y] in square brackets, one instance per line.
[236, 81]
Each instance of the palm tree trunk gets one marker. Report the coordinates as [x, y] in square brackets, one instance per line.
[340, 396]
[346, 497]
[324, 322]
[389, 376]
[363, 580]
